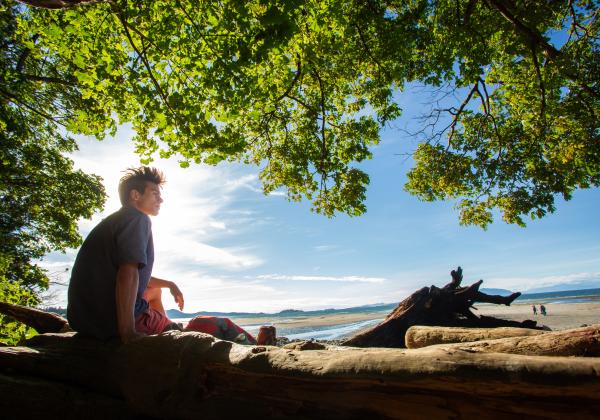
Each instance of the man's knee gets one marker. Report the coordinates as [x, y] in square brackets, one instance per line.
[154, 293]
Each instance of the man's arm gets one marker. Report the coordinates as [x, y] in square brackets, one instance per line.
[126, 292]
[160, 283]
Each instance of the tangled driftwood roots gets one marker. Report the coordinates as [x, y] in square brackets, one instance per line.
[448, 306]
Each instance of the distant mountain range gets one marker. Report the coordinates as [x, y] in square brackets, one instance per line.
[380, 307]
[581, 285]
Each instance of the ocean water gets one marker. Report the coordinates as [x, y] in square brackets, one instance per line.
[326, 332]
[565, 296]
[334, 332]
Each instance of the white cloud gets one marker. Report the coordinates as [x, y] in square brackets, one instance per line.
[526, 283]
[349, 279]
[249, 182]
[278, 194]
[322, 248]
[172, 250]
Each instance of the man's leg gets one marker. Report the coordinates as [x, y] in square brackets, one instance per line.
[155, 320]
[154, 298]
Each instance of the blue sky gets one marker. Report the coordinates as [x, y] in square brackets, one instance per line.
[231, 248]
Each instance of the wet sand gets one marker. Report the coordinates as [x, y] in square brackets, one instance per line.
[559, 316]
[311, 321]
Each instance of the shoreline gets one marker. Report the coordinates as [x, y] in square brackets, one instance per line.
[559, 316]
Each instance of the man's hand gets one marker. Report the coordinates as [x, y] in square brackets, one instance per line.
[177, 295]
[156, 282]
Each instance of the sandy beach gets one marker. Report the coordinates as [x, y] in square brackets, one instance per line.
[310, 321]
[559, 316]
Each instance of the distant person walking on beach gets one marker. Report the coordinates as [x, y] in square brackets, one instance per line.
[543, 310]
[534, 309]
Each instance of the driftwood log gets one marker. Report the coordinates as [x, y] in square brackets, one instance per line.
[448, 306]
[194, 375]
[584, 341]
[41, 321]
[419, 336]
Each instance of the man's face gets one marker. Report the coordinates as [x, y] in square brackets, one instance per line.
[148, 202]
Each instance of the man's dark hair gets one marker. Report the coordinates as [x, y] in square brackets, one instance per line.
[136, 178]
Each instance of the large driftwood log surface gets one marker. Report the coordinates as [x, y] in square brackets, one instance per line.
[419, 336]
[584, 341]
[194, 375]
[448, 306]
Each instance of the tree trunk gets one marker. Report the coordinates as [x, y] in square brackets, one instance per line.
[192, 375]
[432, 306]
[421, 336]
[58, 4]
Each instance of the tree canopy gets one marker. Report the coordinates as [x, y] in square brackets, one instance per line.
[302, 89]
[42, 195]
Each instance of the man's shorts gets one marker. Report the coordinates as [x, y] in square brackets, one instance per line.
[151, 321]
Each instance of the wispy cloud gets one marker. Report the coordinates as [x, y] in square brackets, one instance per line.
[323, 248]
[278, 194]
[249, 182]
[526, 283]
[347, 279]
[173, 251]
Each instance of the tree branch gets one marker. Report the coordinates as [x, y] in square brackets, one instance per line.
[381, 68]
[533, 36]
[142, 56]
[12, 98]
[469, 11]
[538, 72]
[461, 108]
[57, 4]
[46, 79]
[294, 81]
[323, 119]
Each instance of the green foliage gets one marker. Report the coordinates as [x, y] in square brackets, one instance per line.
[528, 129]
[301, 88]
[11, 331]
[42, 195]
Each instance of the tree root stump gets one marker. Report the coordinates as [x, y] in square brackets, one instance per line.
[432, 306]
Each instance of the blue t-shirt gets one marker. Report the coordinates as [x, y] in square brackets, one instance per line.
[123, 237]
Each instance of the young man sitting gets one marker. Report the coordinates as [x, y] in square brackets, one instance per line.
[112, 292]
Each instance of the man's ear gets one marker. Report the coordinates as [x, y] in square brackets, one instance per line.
[134, 195]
